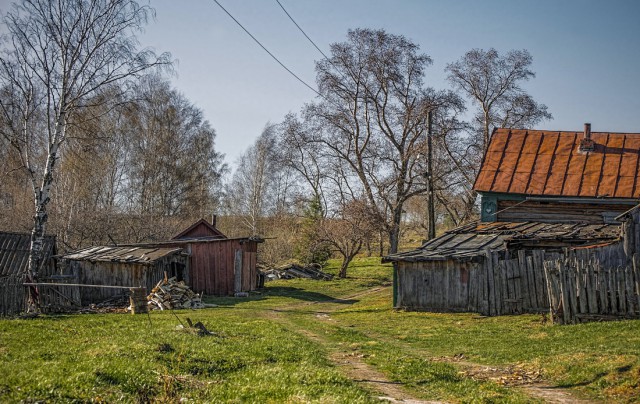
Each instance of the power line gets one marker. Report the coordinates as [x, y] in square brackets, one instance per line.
[301, 30]
[344, 77]
[267, 50]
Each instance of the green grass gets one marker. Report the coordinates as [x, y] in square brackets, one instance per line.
[124, 358]
[260, 352]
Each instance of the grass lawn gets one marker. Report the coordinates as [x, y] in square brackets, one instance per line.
[280, 346]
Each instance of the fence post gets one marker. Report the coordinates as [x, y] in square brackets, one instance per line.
[138, 300]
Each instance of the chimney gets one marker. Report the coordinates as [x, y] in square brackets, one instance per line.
[586, 143]
[214, 220]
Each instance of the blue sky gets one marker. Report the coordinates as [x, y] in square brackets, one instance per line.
[586, 54]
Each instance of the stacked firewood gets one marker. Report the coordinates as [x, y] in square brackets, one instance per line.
[171, 294]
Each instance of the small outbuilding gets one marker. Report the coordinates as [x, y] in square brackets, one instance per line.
[219, 266]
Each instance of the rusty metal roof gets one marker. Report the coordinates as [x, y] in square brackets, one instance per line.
[14, 252]
[536, 162]
[474, 239]
[126, 254]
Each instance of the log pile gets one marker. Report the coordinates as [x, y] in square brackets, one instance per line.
[292, 271]
[170, 294]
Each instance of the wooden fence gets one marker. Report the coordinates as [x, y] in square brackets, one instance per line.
[13, 295]
[53, 298]
[509, 286]
[593, 284]
[59, 298]
[493, 286]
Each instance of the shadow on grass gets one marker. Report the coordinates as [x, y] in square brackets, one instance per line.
[305, 295]
[280, 291]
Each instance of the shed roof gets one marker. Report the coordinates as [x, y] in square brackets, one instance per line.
[126, 254]
[474, 239]
[14, 252]
[550, 163]
[201, 228]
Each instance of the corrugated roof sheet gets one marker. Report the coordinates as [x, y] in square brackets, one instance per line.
[536, 162]
[144, 255]
[474, 239]
[14, 252]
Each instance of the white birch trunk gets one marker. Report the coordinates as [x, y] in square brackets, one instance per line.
[42, 196]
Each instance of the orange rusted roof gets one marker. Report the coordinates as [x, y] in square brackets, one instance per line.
[537, 162]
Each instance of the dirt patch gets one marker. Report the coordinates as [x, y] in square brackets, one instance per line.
[552, 394]
[529, 380]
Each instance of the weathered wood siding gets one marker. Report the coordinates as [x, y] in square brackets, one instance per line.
[126, 274]
[14, 259]
[213, 263]
[436, 285]
[493, 286]
[558, 212]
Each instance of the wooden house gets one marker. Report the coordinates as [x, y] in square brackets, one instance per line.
[542, 193]
[562, 177]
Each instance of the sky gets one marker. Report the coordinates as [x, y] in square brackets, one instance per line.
[586, 54]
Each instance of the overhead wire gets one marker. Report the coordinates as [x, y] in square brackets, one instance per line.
[327, 58]
[301, 30]
[267, 50]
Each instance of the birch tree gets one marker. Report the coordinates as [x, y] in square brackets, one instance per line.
[251, 190]
[56, 57]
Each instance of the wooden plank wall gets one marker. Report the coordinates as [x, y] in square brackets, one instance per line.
[558, 212]
[212, 266]
[494, 286]
[56, 299]
[129, 274]
[435, 286]
[13, 295]
[594, 284]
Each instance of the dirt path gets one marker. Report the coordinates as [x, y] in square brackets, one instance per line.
[353, 365]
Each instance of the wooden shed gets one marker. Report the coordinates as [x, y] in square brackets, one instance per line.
[488, 268]
[219, 266]
[127, 266]
[201, 255]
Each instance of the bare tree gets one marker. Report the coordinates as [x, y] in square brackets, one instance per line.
[172, 163]
[493, 83]
[57, 56]
[372, 120]
[348, 232]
